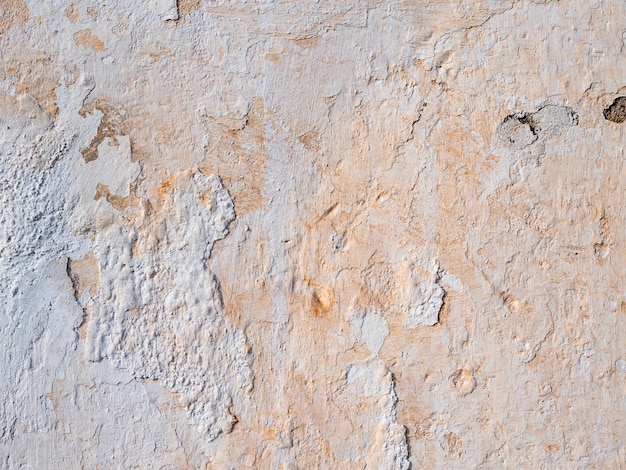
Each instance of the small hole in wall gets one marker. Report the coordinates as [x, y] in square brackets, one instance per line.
[617, 111]
[530, 122]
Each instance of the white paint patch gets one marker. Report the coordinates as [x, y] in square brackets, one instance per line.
[158, 312]
[369, 387]
[452, 282]
[373, 330]
[166, 9]
[38, 310]
[425, 297]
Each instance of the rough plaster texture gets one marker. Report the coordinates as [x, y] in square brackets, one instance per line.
[297, 234]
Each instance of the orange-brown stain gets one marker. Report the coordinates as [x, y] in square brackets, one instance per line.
[86, 38]
[238, 154]
[111, 125]
[187, 8]
[308, 43]
[72, 13]
[13, 13]
[120, 203]
[272, 57]
[85, 274]
[311, 141]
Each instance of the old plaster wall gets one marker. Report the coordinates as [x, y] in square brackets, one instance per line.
[301, 234]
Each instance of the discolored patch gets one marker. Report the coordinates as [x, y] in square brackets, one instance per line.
[14, 13]
[118, 202]
[111, 125]
[309, 42]
[273, 57]
[311, 140]
[86, 38]
[85, 275]
[41, 86]
[239, 156]
[452, 445]
[321, 301]
[187, 7]
[72, 13]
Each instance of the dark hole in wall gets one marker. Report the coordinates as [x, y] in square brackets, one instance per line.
[617, 111]
[530, 122]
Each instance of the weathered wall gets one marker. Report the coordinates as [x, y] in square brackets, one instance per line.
[312, 234]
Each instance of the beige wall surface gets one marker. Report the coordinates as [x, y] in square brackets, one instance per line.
[312, 234]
